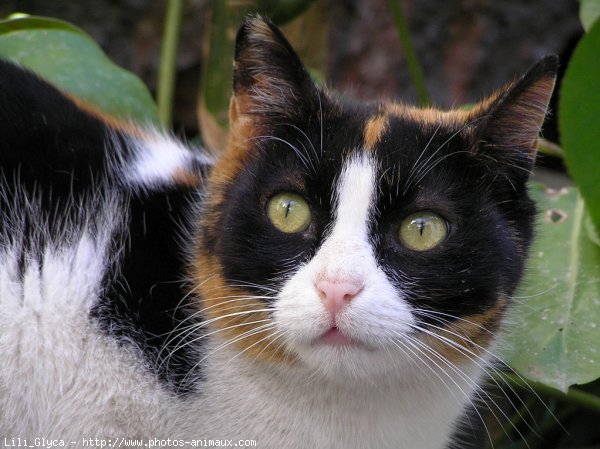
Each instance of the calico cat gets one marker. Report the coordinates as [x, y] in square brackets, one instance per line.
[335, 279]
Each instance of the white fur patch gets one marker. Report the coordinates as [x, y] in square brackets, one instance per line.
[53, 359]
[295, 407]
[158, 160]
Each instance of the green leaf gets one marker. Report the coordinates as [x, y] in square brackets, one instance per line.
[20, 22]
[70, 59]
[579, 119]
[592, 231]
[557, 310]
[589, 11]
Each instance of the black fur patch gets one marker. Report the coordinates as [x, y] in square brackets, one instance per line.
[147, 301]
[49, 148]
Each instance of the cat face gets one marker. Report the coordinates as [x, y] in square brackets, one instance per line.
[351, 237]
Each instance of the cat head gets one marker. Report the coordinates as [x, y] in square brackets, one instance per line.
[349, 237]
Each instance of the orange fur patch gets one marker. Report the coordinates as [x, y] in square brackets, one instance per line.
[240, 321]
[429, 116]
[465, 339]
[234, 159]
[243, 129]
[374, 129]
[187, 178]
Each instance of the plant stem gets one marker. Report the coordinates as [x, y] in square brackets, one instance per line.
[168, 61]
[411, 58]
[573, 396]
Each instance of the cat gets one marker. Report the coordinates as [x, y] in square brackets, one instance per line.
[334, 279]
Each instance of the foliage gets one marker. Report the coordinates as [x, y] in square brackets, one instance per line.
[579, 116]
[556, 330]
[555, 347]
[70, 59]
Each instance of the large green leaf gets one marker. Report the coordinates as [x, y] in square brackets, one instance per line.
[556, 339]
[71, 60]
[579, 119]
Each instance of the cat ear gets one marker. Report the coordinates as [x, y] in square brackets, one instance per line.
[269, 80]
[508, 124]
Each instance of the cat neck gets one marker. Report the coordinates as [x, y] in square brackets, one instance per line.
[362, 413]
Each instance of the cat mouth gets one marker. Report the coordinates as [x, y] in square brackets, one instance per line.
[334, 337]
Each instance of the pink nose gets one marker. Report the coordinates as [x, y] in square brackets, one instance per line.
[337, 295]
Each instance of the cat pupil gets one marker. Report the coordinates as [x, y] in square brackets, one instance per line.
[421, 225]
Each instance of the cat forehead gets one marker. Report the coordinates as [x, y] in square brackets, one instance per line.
[390, 133]
[401, 121]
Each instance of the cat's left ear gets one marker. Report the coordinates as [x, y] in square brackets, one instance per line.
[508, 124]
[269, 80]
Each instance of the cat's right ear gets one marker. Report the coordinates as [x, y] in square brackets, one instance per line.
[269, 80]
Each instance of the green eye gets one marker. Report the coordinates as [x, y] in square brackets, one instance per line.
[289, 212]
[422, 231]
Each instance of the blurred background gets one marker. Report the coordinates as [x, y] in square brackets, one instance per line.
[467, 48]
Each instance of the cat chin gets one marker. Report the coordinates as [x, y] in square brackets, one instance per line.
[355, 361]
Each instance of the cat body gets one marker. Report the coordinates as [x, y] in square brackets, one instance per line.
[335, 279]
